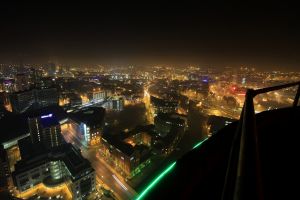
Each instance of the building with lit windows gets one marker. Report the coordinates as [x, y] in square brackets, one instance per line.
[140, 138]
[115, 104]
[125, 157]
[54, 167]
[45, 129]
[88, 124]
[163, 106]
[99, 95]
[8, 85]
[33, 99]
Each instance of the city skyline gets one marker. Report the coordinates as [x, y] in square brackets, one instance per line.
[137, 101]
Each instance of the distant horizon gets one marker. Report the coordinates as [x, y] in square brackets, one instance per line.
[265, 36]
[144, 66]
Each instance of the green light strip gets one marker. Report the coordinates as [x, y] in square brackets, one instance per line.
[156, 180]
[197, 145]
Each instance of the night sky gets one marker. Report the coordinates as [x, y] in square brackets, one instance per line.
[263, 36]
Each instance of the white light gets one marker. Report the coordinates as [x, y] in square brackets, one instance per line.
[121, 184]
[46, 116]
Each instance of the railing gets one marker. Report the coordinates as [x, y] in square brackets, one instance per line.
[243, 177]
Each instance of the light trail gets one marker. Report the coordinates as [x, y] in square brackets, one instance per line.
[120, 183]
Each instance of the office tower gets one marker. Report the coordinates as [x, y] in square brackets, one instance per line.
[45, 129]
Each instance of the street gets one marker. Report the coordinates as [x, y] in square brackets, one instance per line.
[103, 171]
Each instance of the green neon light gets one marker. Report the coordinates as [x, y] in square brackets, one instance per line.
[197, 145]
[156, 180]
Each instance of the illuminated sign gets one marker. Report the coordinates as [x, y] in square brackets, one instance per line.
[46, 116]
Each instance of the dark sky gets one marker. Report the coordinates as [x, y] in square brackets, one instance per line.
[265, 36]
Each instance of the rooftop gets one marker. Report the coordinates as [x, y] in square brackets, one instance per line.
[9, 130]
[75, 163]
[90, 116]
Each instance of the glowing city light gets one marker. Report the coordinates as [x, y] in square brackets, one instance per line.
[120, 183]
[46, 116]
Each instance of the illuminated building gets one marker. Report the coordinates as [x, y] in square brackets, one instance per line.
[88, 124]
[141, 138]
[33, 99]
[45, 129]
[8, 85]
[163, 106]
[55, 167]
[124, 156]
[115, 104]
[99, 95]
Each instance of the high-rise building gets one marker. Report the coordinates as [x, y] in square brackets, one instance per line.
[33, 99]
[45, 129]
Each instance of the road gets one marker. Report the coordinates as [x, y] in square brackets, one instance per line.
[103, 171]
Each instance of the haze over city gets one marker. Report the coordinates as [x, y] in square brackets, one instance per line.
[181, 34]
[149, 101]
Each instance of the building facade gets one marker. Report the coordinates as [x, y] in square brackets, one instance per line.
[88, 124]
[45, 129]
[55, 167]
[33, 99]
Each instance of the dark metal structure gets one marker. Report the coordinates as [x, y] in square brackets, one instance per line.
[244, 177]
